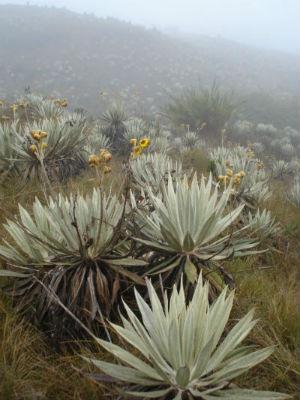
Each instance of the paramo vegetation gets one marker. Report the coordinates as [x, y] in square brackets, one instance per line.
[157, 256]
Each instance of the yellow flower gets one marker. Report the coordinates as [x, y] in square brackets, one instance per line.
[137, 151]
[44, 145]
[33, 148]
[133, 142]
[250, 153]
[144, 143]
[105, 155]
[241, 174]
[94, 160]
[229, 172]
[237, 180]
[64, 103]
[223, 178]
[36, 135]
[106, 169]
[61, 102]
[43, 134]
[14, 107]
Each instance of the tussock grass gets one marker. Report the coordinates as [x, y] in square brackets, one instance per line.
[29, 369]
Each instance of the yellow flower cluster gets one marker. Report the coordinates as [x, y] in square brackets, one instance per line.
[34, 148]
[230, 175]
[61, 102]
[38, 135]
[14, 107]
[138, 147]
[250, 153]
[101, 160]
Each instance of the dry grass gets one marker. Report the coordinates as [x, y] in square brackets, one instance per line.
[29, 369]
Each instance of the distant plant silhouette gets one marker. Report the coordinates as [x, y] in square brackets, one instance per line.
[202, 109]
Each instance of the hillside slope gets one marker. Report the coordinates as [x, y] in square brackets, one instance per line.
[55, 51]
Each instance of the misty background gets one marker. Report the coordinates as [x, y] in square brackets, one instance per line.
[270, 24]
[143, 53]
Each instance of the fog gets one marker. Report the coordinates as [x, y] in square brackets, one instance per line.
[272, 24]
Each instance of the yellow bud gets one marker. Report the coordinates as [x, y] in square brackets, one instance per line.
[106, 169]
[33, 148]
[136, 151]
[94, 160]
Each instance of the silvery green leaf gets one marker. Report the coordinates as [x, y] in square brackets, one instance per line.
[178, 347]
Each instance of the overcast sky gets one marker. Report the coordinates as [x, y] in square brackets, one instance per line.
[264, 23]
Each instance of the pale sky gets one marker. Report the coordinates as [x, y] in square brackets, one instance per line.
[264, 23]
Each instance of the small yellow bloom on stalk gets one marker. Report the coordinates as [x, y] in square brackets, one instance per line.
[223, 178]
[133, 142]
[136, 151]
[105, 155]
[43, 146]
[223, 131]
[64, 103]
[43, 134]
[14, 107]
[229, 172]
[144, 143]
[106, 169]
[250, 153]
[237, 180]
[241, 174]
[36, 135]
[33, 148]
[94, 160]
[61, 102]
